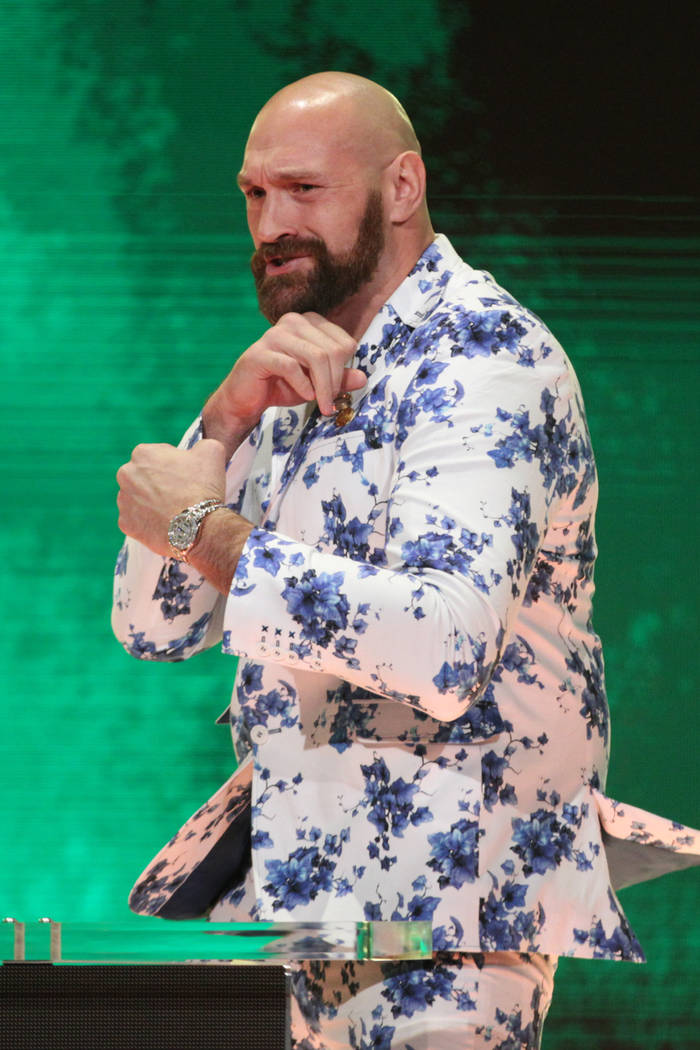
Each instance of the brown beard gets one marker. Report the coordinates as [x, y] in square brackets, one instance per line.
[331, 281]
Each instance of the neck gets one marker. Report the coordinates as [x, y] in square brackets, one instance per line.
[356, 313]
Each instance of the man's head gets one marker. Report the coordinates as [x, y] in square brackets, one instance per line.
[335, 191]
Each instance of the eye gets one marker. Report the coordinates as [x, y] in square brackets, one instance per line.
[304, 187]
[254, 193]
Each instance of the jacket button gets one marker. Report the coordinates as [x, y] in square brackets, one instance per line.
[258, 734]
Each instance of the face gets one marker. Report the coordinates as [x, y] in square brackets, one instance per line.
[314, 212]
[328, 279]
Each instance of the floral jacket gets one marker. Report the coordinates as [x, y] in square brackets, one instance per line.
[420, 697]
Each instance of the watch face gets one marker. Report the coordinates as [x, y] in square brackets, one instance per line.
[182, 531]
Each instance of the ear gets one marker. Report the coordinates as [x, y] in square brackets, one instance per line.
[406, 191]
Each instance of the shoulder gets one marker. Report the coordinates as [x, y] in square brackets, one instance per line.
[477, 319]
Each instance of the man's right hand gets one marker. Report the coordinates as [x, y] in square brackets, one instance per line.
[301, 358]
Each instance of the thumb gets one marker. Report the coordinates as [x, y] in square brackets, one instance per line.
[353, 379]
[209, 463]
[211, 450]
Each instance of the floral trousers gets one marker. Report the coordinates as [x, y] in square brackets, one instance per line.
[456, 1001]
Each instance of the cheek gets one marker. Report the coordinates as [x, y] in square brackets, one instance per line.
[339, 237]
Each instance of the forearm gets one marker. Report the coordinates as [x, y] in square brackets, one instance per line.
[295, 605]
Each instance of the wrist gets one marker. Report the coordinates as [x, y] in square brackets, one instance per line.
[222, 537]
[228, 429]
[185, 528]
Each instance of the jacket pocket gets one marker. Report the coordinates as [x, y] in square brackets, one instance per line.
[352, 714]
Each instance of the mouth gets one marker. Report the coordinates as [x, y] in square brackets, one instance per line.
[276, 264]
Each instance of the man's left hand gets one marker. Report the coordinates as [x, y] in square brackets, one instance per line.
[159, 481]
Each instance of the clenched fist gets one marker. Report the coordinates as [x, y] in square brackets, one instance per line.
[159, 481]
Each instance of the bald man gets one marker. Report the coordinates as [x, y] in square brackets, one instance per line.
[386, 511]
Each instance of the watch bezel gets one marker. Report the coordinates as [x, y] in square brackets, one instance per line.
[183, 528]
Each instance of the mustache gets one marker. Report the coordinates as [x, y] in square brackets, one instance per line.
[286, 249]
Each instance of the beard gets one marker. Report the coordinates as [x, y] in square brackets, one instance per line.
[332, 279]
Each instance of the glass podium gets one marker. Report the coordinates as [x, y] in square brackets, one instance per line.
[165, 941]
[155, 984]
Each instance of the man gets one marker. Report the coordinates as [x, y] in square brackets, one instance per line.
[390, 520]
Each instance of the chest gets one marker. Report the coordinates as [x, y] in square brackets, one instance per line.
[328, 485]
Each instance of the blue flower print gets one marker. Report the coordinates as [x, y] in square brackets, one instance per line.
[249, 678]
[122, 561]
[390, 807]
[620, 944]
[176, 649]
[298, 880]
[525, 538]
[594, 704]
[454, 853]
[268, 558]
[494, 330]
[173, 591]
[504, 923]
[429, 372]
[413, 988]
[347, 538]
[283, 432]
[317, 603]
[493, 767]
[379, 1037]
[541, 842]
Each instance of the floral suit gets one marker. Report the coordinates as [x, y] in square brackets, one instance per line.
[420, 695]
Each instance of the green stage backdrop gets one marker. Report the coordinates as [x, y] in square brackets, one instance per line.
[126, 297]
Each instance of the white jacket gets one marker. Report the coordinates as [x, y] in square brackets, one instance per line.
[420, 695]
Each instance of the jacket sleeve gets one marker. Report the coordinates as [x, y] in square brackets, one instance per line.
[487, 449]
[164, 609]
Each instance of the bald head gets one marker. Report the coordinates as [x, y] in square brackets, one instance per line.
[352, 113]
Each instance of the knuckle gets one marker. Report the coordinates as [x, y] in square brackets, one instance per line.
[208, 447]
[290, 320]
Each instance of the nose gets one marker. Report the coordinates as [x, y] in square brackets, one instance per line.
[273, 219]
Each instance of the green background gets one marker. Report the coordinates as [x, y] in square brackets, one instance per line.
[125, 297]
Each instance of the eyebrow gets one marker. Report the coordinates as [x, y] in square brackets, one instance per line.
[283, 175]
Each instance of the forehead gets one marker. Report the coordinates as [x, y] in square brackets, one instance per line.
[300, 141]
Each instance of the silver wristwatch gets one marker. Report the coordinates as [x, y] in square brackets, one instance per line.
[183, 529]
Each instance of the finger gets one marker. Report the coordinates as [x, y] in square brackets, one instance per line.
[147, 451]
[210, 449]
[339, 344]
[123, 475]
[288, 370]
[353, 379]
[342, 339]
[319, 362]
[324, 349]
[343, 379]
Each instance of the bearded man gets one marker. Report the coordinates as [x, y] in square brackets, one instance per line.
[386, 511]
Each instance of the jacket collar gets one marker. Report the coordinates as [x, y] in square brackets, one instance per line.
[414, 299]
